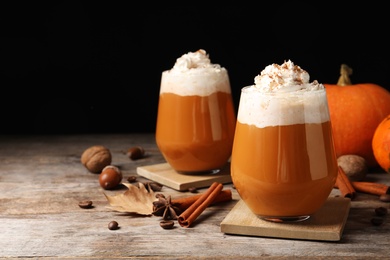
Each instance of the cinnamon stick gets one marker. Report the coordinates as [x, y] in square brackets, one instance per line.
[192, 212]
[186, 202]
[371, 187]
[344, 184]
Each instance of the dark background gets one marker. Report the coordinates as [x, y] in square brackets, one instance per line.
[69, 67]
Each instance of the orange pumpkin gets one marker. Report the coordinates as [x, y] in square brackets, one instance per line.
[355, 112]
[381, 144]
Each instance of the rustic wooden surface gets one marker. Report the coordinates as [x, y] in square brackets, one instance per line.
[42, 181]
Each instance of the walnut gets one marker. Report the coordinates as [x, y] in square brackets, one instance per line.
[95, 158]
[354, 166]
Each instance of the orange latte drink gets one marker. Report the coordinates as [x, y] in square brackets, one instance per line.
[283, 161]
[196, 117]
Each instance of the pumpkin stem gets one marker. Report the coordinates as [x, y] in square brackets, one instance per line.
[345, 72]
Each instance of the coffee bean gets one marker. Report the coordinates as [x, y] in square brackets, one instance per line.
[85, 204]
[385, 197]
[381, 211]
[113, 225]
[167, 224]
[193, 189]
[131, 178]
[376, 221]
[153, 185]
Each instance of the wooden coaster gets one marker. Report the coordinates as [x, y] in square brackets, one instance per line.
[165, 175]
[327, 224]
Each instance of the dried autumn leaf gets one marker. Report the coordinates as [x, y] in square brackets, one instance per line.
[135, 200]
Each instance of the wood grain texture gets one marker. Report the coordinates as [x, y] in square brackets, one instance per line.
[42, 181]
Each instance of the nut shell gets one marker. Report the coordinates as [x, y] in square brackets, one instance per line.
[95, 158]
[136, 152]
[354, 166]
[110, 177]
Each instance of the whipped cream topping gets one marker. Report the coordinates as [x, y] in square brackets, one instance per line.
[283, 95]
[194, 60]
[194, 74]
[285, 78]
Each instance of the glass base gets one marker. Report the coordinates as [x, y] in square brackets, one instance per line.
[285, 219]
[201, 172]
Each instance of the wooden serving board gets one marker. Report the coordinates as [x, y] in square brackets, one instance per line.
[327, 224]
[165, 175]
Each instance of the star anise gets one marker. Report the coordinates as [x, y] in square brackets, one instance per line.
[164, 207]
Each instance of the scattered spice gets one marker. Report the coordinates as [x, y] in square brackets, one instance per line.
[371, 187]
[132, 179]
[167, 224]
[377, 221]
[181, 204]
[344, 184]
[153, 185]
[348, 188]
[193, 189]
[135, 200]
[381, 211]
[164, 207]
[113, 225]
[190, 214]
[143, 201]
[85, 204]
[384, 197]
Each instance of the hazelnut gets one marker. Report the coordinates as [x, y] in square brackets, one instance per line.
[95, 158]
[110, 177]
[135, 152]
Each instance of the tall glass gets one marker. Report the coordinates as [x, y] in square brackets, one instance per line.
[283, 162]
[195, 120]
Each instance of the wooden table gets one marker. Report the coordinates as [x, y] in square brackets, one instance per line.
[42, 181]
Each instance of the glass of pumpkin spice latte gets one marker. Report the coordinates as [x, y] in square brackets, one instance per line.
[283, 161]
[196, 117]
